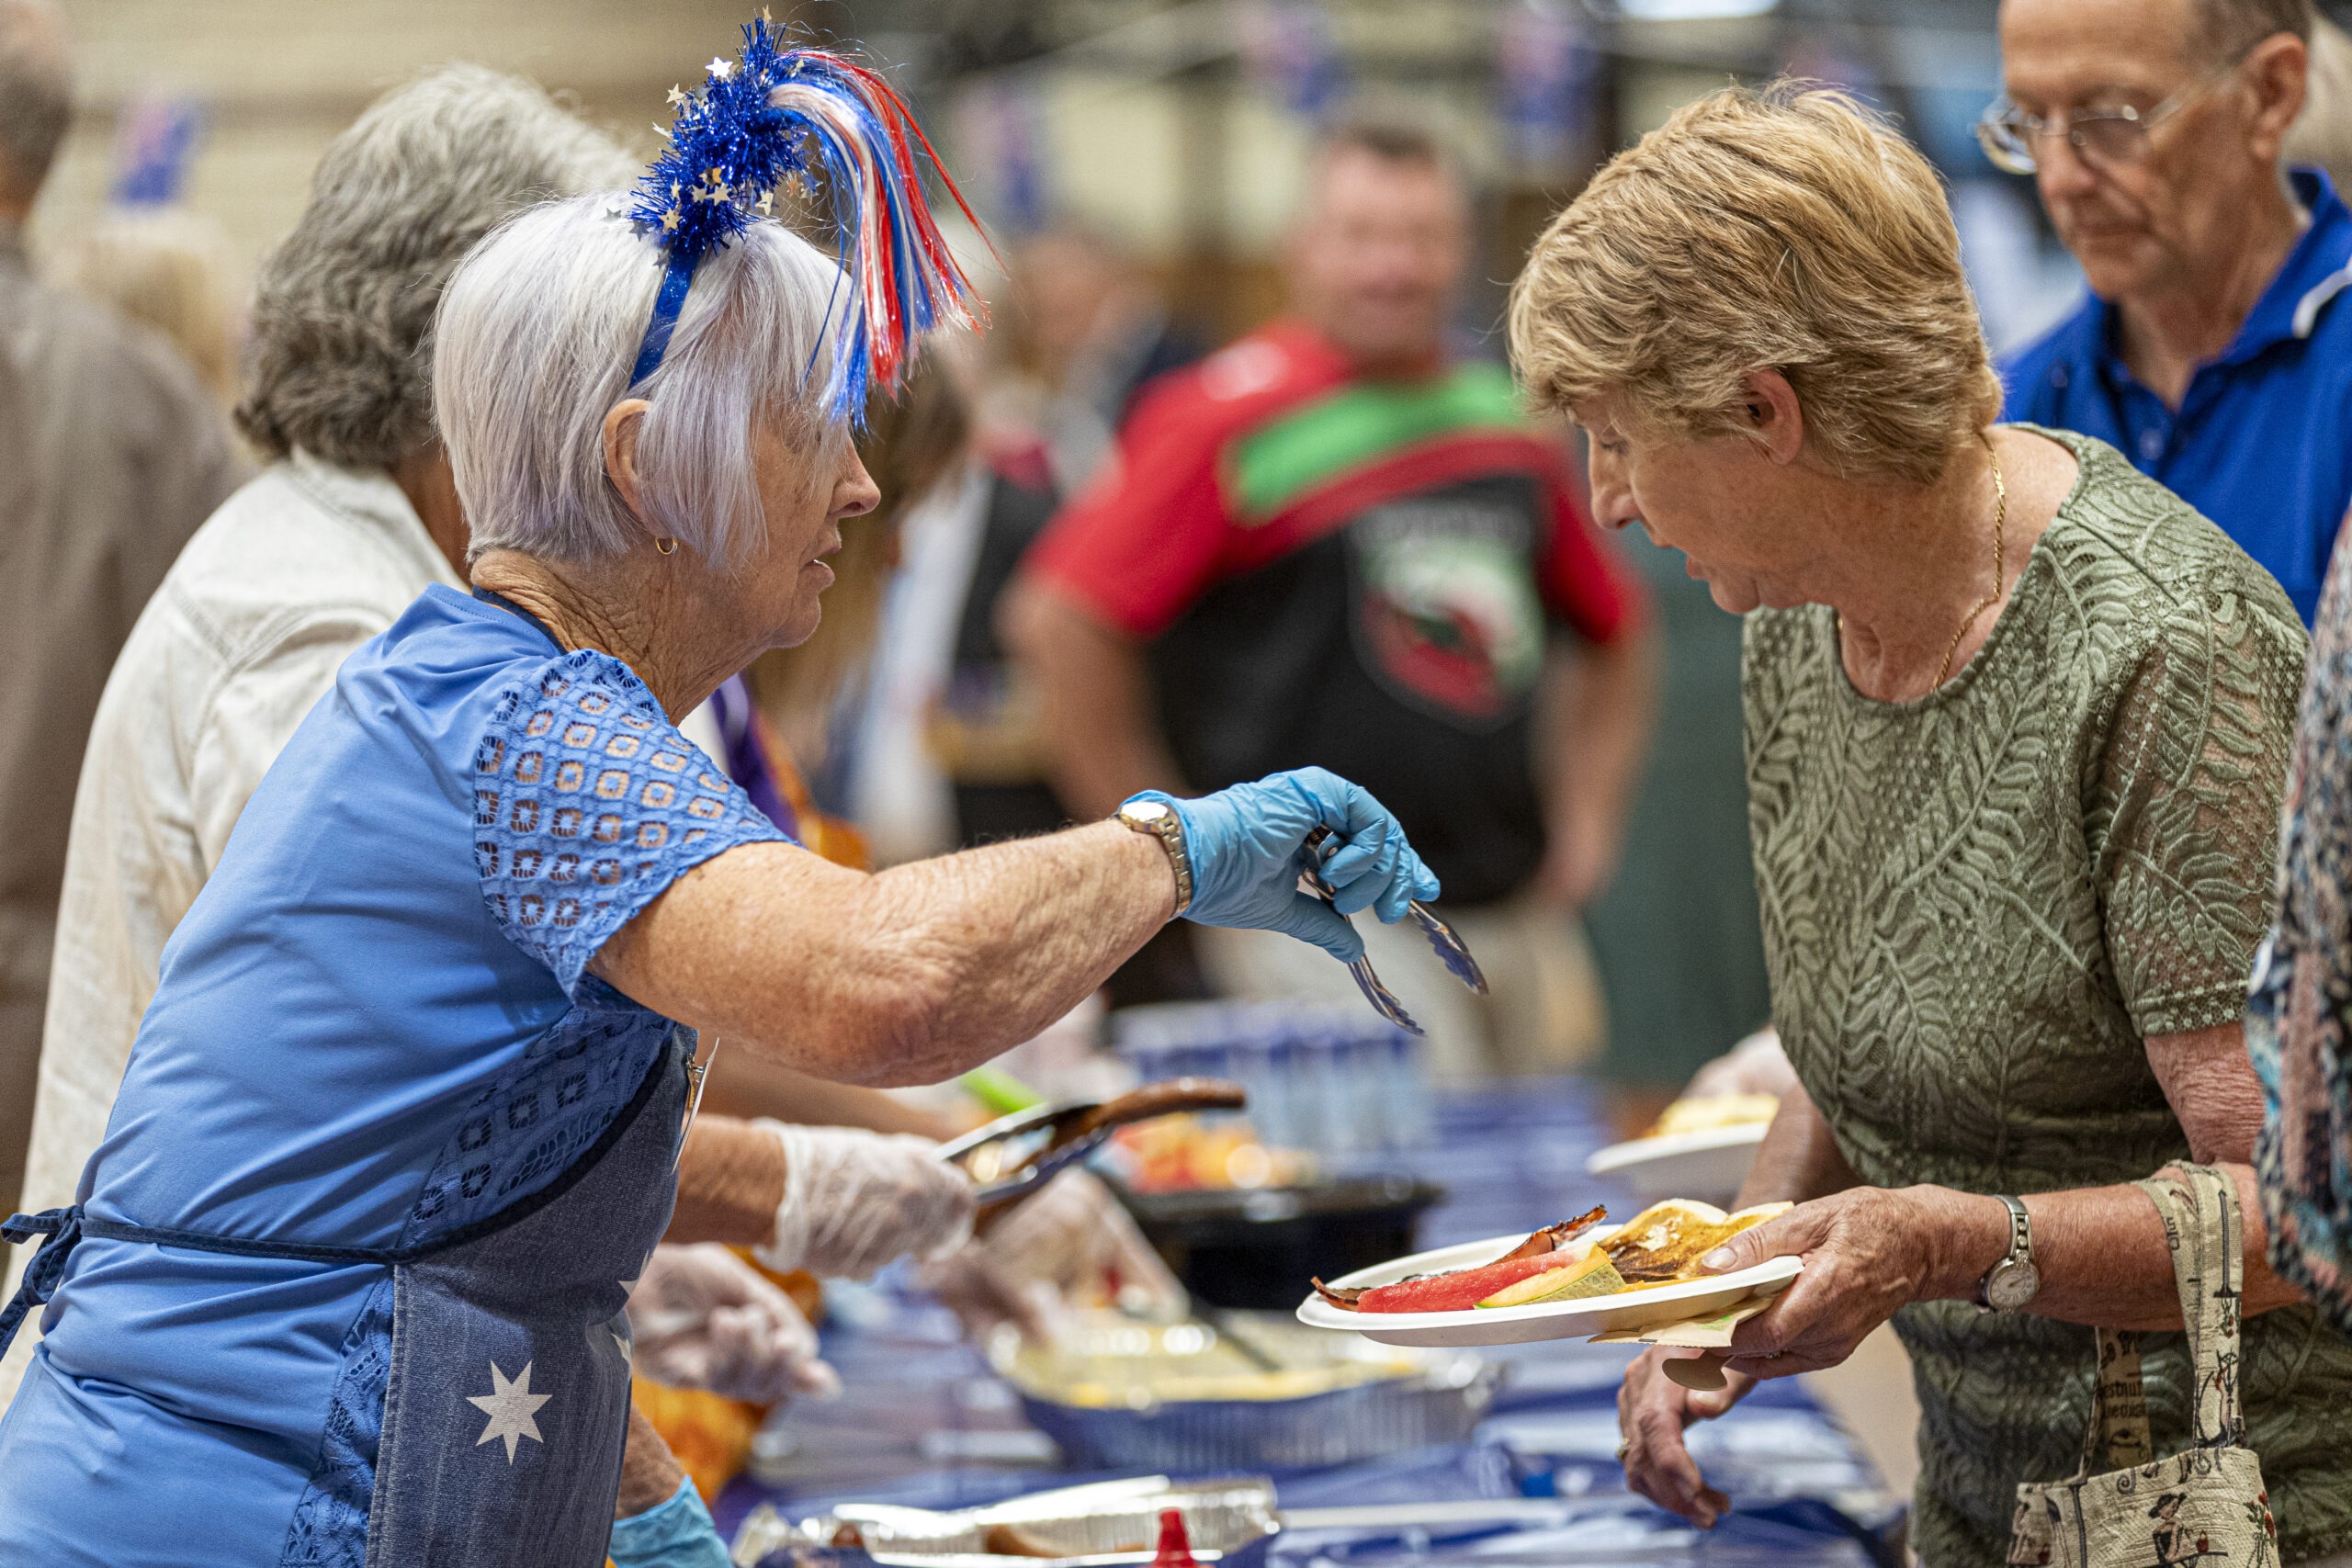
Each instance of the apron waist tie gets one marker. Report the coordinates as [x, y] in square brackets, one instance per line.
[63, 1227]
[66, 1228]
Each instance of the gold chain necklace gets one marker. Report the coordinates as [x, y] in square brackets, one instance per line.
[2000, 517]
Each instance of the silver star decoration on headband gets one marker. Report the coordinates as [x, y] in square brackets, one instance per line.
[512, 1408]
[721, 67]
[766, 204]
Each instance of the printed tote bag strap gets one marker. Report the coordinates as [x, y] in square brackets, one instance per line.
[2206, 1506]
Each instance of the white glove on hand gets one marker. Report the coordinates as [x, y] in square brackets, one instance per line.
[701, 1317]
[1066, 1239]
[853, 1201]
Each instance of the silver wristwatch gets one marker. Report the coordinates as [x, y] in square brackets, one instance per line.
[2015, 1279]
[1158, 818]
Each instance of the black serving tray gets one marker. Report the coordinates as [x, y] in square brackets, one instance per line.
[1257, 1248]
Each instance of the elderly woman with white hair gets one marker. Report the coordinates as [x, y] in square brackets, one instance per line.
[2016, 721]
[354, 516]
[346, 1282]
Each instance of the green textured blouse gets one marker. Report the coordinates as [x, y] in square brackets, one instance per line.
[1978, 905]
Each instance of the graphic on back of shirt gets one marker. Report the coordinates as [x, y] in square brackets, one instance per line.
[1446, 615]
[1361, 575]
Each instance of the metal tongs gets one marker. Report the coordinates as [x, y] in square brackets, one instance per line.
[1059, 1135]
[1452, 951]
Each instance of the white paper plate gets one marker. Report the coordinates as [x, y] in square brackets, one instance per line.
[1544, 1320]
[1708, 1166]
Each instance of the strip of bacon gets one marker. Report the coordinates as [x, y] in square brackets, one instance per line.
[1345, 1297]
[1551, 1238]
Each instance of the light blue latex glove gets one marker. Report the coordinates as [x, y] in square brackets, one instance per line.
[1245, 847]
[677, 1534]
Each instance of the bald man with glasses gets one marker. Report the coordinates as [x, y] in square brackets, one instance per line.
[2212, 351]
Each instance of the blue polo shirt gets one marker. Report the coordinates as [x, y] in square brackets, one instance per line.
[2262, 441]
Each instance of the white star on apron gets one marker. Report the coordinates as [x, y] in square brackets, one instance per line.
[510, 1406]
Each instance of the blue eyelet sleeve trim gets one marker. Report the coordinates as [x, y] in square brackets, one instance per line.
[588, 803]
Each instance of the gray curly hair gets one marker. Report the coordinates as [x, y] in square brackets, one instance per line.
[340, 358]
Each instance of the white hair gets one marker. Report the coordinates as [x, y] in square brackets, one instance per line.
[538, 331]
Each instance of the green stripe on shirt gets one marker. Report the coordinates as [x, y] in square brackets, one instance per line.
[1359, 425]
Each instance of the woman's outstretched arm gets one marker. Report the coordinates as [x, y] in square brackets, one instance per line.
[909, 976]
[918, 973]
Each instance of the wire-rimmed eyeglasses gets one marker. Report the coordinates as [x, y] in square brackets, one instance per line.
[2102, 138]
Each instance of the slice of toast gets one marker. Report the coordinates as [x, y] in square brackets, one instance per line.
[1665, 1240]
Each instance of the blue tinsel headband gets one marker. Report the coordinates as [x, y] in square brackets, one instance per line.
[754, 126]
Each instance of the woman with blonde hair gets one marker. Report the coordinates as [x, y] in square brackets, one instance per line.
[2017, 718]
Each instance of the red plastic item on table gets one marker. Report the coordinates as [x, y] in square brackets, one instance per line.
[1175, 1546]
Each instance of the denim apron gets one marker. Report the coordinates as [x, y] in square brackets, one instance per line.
[506, 1400]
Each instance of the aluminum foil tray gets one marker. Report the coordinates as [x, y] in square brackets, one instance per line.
[1231, 1522]
[1103, 1409]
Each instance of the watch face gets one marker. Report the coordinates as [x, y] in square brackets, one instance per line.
[2012, 1283]
[1144, 810]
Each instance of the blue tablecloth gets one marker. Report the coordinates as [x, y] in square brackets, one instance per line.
[924, 1422]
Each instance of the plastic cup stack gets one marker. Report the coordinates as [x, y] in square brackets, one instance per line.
[1339, 1084]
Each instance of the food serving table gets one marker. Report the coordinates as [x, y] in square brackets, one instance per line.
[925, 1423]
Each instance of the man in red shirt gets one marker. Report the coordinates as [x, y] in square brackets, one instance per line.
[1330, 544]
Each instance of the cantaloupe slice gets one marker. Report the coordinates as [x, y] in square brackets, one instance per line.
[1593, 1275]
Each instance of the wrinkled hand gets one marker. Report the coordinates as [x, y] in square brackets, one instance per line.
[1653, 1411]
[701, 1317]
[1068, 1238]
[853, 1201]
[1867, 1251]
[1244, 844]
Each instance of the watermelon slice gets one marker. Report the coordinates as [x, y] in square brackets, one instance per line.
[1457, 1291]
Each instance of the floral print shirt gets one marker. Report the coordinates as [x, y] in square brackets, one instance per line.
[2302, 993]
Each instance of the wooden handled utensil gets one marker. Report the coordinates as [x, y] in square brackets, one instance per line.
[1059, 1135]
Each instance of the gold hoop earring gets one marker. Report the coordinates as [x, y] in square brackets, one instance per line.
[665, 547]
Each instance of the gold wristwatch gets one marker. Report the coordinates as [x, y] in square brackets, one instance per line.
[1159, 819]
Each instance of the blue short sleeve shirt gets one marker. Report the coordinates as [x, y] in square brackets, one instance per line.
[2262, 440]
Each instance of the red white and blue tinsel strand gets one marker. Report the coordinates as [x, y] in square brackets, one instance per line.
[773, 116]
